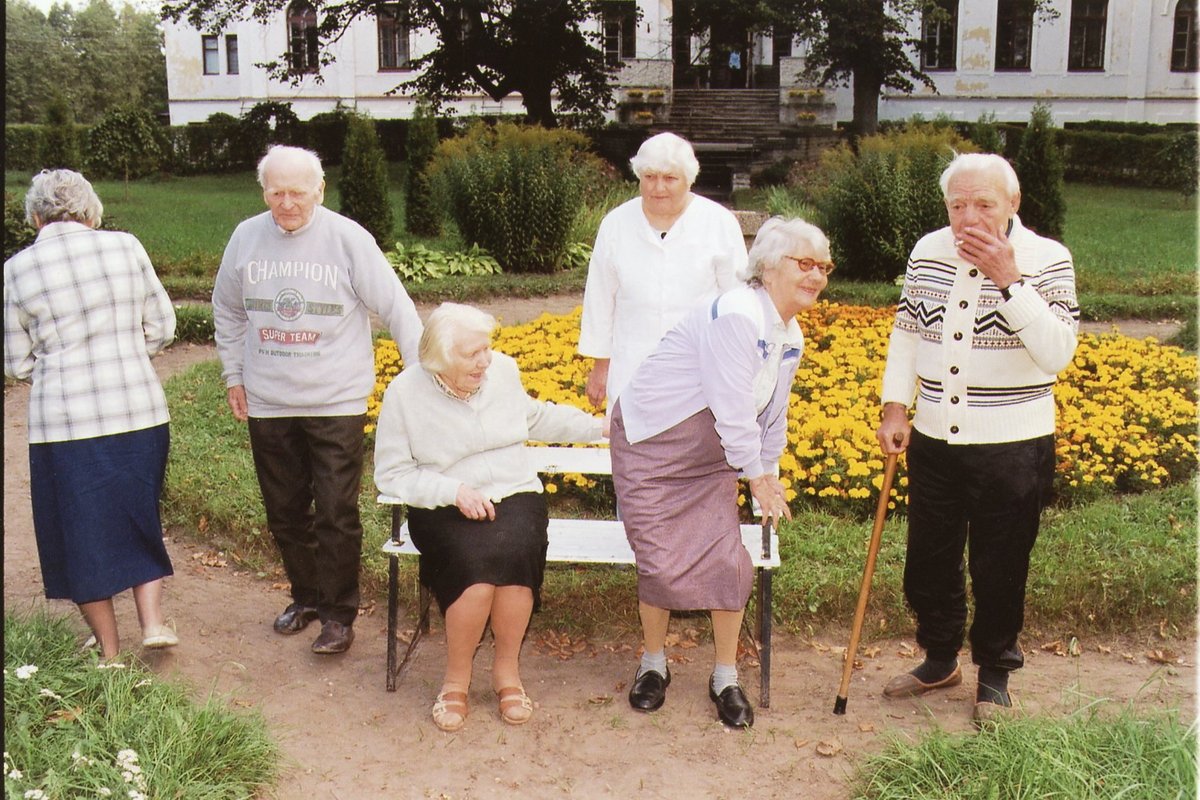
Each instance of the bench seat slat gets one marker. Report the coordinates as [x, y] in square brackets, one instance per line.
[602, 541]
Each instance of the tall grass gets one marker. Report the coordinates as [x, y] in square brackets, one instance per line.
[1090, 755]
[73, 728]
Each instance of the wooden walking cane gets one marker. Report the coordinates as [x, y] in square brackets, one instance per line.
[889, 474]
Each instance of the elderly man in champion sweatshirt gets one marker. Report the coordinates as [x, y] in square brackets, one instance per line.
[291, 304]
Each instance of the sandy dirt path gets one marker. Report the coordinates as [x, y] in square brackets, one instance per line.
[345, 737]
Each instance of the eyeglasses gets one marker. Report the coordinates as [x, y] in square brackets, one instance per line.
[807, 264]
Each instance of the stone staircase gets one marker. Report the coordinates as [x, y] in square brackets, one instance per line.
[734, 132]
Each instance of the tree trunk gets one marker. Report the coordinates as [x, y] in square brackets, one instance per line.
[539, 109]
[867, 85]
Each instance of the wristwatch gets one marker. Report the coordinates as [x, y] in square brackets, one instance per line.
[1005, 291]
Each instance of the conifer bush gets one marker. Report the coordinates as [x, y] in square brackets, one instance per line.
[422, 214]
[515, 190]
[60, 145]
[1039, 167]
[875, 204]
[364, 182]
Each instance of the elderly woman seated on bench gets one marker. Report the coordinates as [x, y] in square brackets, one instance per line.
[451, 442]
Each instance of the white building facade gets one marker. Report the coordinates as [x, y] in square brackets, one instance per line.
[1130, 60]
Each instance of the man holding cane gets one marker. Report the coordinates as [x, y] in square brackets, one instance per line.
[987, 318]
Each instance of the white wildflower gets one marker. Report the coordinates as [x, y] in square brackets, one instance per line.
[27, 671]
[16, 774]
[35, 794]
[110, 665]
[134, 794]
[49, 693]
[142, 682]
[104, 791]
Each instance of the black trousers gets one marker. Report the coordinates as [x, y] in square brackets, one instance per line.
[310, 471]
[986, 499]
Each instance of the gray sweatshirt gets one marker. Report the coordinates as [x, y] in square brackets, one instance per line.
[291, 315]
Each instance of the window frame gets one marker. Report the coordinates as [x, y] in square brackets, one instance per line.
[303, 52]
[1183, 58]
[392, 29]
[945, 48]
[1013, 23]
[1084, 54]
[232, 65]
[210, 54]
[618, 28]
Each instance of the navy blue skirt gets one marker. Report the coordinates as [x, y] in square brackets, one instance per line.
[95, 513]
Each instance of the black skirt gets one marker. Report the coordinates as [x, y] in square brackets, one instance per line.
[457, 552]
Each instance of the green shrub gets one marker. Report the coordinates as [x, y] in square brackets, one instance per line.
[416, 263]
[875, 204]
[1178, 159]
[1039, 167]
[125, 144]
[18, 234]
[194, 323]
[364, 182]
[422, 214]
[60, 145]
[325, 134]
[269, 122]
[23, 146]
[986, 135]
[515, 190]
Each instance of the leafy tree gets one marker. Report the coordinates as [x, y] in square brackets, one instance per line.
[99, 58]
[37, 60]
[868, 41]
[125, 143]
[986, 135]
[422, 216]
[1040, 169]
[364, 182]
[498, 47]
[60, 145]
[268, 122]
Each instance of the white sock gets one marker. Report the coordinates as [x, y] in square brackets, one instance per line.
[653, 661]
[724, 676]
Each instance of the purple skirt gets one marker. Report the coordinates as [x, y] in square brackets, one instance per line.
[678, 499]
[95, 513]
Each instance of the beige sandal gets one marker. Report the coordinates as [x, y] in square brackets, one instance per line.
[515, 706]
[450, 711]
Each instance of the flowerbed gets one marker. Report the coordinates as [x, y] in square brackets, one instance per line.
[1126, 407]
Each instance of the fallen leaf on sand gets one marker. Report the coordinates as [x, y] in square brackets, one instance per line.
[802, 743]
[600, 699]
[867, 727]
[1162, 656]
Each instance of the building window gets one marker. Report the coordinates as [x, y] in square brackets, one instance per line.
[393, 38]
[231, 55]
[1183, 43]
[1089, 19]
[939, 32]
[212, 56]
[1014, 35]
[302, 38]
[620, 31]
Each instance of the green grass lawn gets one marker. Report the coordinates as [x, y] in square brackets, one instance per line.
[1135, 249]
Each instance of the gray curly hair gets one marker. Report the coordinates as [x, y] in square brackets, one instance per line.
[62, 195]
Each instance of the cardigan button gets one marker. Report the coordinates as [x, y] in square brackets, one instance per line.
[958, 336]
[954, 429]
[954, 400]
[963, 304]
[954, 370]
[974, 273]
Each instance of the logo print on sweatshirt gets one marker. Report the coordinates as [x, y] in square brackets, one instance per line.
[289, 305]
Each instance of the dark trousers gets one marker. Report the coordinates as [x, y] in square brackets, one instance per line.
[310, 470]
[986, 498]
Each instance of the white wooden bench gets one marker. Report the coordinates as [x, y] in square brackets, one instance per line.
[576, 541]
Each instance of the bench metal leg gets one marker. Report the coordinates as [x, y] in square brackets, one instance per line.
[393, 579]
[764, 636]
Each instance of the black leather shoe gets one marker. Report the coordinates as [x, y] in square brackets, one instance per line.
[732, 706]
[335, 638]
[294, 619]
[649, 690]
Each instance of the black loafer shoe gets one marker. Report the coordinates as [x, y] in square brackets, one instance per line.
[732, 706]
[335, 638]
[294, 619]
[649, 690]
